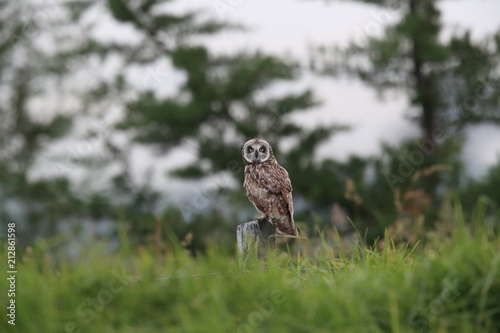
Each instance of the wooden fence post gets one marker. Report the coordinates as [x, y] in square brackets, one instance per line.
[255, 238]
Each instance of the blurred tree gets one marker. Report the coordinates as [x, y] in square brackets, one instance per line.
[50, 55]
[25, 71]
[485, 189]
[29, 73]
[223, 101]
[450, 83]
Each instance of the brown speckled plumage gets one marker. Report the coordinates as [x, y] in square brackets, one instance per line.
[267, 185]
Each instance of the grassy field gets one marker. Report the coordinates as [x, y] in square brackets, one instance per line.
[450, 284]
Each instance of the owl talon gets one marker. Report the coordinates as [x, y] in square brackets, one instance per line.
[262, 218]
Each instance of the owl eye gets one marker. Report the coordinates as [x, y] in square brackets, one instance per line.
[250, 149]
[262, 149]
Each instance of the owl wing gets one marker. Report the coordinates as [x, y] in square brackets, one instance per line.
[270, 190]
[289, 202]
[257, 193]
[276, 180]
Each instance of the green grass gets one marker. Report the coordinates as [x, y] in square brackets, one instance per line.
[450, 284]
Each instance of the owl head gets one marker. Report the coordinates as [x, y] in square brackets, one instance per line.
[257, 151]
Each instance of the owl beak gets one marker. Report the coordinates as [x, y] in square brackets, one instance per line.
[256, 154]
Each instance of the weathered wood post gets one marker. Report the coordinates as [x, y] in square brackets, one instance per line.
[255, 238]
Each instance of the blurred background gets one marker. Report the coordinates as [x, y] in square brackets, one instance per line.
[130, 115]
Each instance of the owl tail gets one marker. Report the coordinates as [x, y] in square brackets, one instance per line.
[285, 225]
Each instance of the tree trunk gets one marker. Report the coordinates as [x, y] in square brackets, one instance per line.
[425, 96]
[255, 239]
[423, 85]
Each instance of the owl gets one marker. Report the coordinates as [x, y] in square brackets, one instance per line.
[268, 186]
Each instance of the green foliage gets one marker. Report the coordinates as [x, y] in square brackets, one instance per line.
[220, 104]
[486, 188]
[222, 99]
[121, 11]
[28, 72]
[452, 83]
[449, 285]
